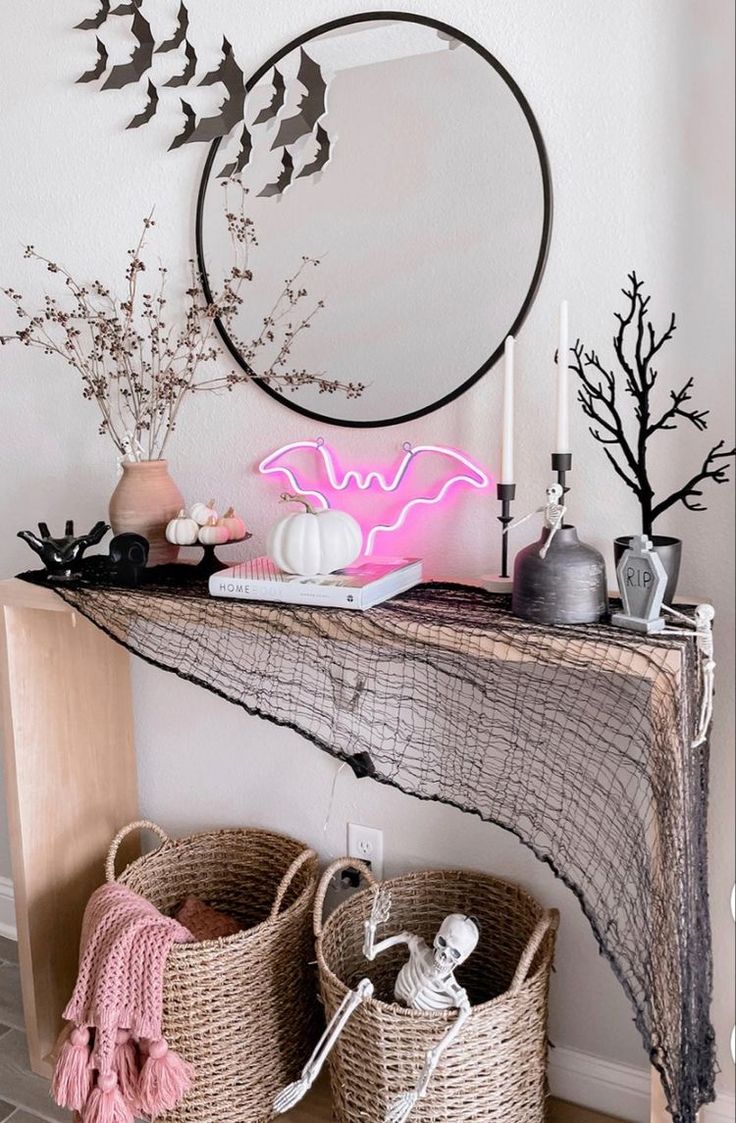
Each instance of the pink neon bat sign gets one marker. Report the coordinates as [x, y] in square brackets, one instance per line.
[451, 467]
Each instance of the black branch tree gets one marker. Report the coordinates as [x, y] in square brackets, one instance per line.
[636, 345]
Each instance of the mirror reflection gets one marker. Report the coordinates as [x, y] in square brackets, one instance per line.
[389, 199]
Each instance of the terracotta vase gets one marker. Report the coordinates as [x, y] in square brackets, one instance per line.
[145, 499]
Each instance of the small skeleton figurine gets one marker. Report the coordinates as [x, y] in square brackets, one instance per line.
[554, 516]
[425, 982]
[703, 631]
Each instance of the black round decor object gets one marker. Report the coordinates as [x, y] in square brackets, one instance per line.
[400, 153]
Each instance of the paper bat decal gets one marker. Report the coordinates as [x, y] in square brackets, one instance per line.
[274, 107]
[380, 502]
[148, 112]
[140, 60]
[231, 110]
[99, 68]
[311, 107]
[227, 72]
[95, 22]
[321, 156]
[190, 125]
[241, 160]
[187, 73]
[284, 179]
[179, 35]
[128, 9]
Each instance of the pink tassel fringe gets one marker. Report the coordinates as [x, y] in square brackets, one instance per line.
[125, 1063]
[165, 1079]
[73, 1077]
[106, 1104]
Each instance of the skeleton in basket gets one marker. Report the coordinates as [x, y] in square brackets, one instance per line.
[426, 982]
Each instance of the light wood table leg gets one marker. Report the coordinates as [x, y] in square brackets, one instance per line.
[659, 1112]
[71, 784]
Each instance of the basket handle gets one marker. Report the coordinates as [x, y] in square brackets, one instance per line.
[286, 880]
[327, 876]
[549, 922]
[139, 824]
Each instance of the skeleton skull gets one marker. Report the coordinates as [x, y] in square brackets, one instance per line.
[704, 614]
[456, 940]
[554, 493]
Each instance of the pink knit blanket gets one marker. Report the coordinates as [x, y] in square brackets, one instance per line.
[115, 1062]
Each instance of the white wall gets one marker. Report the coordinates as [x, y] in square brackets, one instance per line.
[635, 102]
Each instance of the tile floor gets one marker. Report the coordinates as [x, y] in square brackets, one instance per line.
[24, 1098]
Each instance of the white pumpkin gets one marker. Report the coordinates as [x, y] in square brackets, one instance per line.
[212, 534]
[314, 542]
[202, 513]
[234, 524]
[182, 531]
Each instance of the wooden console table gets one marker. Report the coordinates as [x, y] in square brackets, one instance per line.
[70, 775]
[71, 783]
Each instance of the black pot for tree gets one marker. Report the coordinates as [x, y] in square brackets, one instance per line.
[669, 552]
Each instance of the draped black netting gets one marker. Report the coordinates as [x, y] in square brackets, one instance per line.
[576, 739]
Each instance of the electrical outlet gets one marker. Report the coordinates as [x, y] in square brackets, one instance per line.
[366, 843]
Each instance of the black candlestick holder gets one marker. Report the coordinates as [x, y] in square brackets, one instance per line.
[505, 493]
[562, 464]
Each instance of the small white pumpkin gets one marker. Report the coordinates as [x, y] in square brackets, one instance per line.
[202, 513]
[182, 531]
[212, 534]
[234, 524]
[314, 542]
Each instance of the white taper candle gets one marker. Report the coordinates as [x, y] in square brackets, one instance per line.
[563, 401]
[507, 447]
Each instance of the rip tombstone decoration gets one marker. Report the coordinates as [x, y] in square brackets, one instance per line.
[642, 581]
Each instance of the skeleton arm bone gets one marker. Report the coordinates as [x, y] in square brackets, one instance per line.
[403, 1105]
[289, 1096]
[680, 616]
[371, 949]
[434, 1055]
[518, 522]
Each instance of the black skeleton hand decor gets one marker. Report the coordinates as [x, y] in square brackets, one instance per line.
[636, 345]
[62, 556]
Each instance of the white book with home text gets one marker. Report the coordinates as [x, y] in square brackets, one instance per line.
[357, 586]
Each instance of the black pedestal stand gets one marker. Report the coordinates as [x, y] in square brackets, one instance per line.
[210, 562]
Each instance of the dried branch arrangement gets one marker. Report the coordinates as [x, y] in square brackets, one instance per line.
[636, 345]
[139, 362]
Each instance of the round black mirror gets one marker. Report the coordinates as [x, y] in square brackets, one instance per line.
[389, 200]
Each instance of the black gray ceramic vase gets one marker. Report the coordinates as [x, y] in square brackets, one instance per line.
[669, 552]
[568, 586]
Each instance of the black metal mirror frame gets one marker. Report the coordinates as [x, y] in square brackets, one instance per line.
[446, 29]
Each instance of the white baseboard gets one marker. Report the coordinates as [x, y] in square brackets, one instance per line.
[7, 910]
[615, 1089]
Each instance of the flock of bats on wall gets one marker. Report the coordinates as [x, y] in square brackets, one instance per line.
[303, 123]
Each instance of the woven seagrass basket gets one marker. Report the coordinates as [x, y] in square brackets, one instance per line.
[496, 1071]
[242, 1009]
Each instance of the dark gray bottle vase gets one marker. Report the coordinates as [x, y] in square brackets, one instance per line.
[668, 550]
[568, 586]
